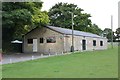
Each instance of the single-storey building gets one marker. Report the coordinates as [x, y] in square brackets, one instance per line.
[52, 40]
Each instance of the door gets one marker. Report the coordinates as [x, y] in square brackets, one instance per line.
[35, 49]
[67, 44]
[83, 44]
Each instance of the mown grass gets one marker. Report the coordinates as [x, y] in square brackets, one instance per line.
[0, 64]
[0, 71]
[90, 64]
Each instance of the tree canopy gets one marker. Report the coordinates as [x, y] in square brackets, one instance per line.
[94, 29]
[118, 33]
[108, 34]
[20, 17]
[60, 15]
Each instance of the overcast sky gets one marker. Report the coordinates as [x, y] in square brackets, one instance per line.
[100, 10]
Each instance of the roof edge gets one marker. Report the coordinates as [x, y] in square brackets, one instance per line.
[54, 30]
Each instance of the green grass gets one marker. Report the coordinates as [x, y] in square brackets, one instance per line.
[0, 50]
[90, 64]
[0, 66]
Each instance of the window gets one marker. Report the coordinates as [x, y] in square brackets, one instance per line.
[30, 41]
[94, 42]
[101, 43]
[41, 40]
[51, 40]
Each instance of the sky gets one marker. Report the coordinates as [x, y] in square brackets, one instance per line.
[100, 10]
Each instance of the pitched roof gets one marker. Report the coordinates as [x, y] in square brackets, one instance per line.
[76, 32]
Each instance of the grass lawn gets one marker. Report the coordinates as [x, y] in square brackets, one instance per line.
[0, 65]
[90, 64]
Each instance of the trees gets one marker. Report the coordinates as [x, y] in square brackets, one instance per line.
[107, 33]
[60, 15]
[94, 29]
[20, 17]
[118, 33]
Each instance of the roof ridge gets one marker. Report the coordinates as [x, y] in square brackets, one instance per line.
[76, 32]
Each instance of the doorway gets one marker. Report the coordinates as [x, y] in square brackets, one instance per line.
[35, 49]
[83, 44]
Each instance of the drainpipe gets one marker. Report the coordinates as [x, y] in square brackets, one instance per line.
[64, 43]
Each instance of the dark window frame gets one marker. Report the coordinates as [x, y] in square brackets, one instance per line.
[51, 40]
[94, 42]
[29, 41]
[101, 43]
[41, 40]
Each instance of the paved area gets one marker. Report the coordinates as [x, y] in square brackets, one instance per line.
[18, 57]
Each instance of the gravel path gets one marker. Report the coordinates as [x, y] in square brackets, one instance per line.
[23, 57]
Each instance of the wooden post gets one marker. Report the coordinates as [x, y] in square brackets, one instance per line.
[10, 60]
[49, 54]
[56, 54]
[41, 54]
[32, 57]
